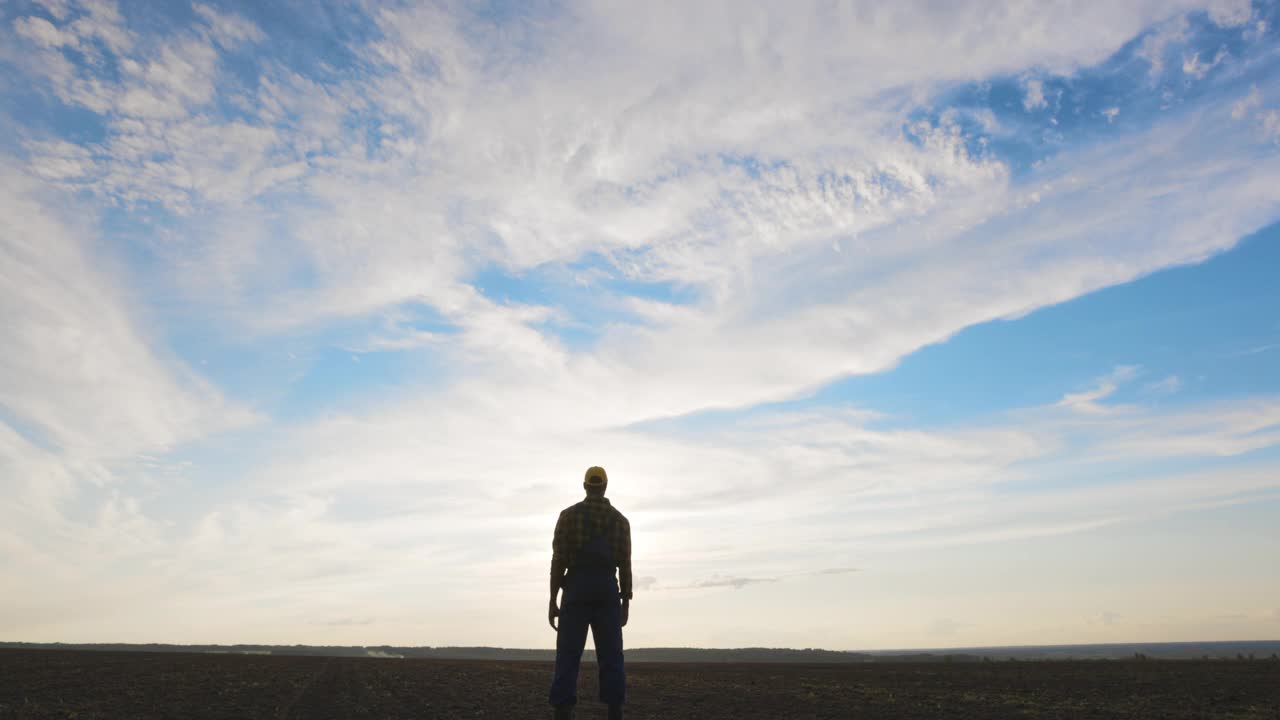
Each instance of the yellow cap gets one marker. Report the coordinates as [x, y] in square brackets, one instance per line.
[596, 477]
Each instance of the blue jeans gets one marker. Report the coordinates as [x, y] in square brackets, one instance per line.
[590, 599]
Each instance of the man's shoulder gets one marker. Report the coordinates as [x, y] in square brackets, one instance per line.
[585, 505]
[618, 514]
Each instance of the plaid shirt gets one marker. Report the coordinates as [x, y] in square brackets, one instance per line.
[590, 518]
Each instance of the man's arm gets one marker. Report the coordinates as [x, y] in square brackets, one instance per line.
[557, 574]
[557, 579]
[624, 561]
[624, 572]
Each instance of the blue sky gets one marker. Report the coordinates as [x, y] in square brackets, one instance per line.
[923, 325]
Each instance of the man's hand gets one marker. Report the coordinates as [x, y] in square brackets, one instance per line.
[553, 612]
[626, 611]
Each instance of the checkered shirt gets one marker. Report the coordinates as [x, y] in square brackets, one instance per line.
[592, 517]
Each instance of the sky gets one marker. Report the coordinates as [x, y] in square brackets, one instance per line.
[895, 325]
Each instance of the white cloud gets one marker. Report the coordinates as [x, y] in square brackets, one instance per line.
[426, 507]
[43, 32]
[1215, 431]
[1168, 385]
[59, 9]
[679, 222]
[1118, 431]
[1246, 104]
[229, 30]
[1192, 66]
[61, 161]
[87, 399]
[162, 144]
[1156, 43]
[1034, 98]
[848, 484]
[77, 367]
[1230, 13]
[101, 21]
[1087, 401]
[1106, 618]
[713, 228]
[374, 242]
[1271, 125]
[948, 627]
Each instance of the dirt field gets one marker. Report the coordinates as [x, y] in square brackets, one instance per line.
[144, 686]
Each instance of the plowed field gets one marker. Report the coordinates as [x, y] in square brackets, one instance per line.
[145, 686]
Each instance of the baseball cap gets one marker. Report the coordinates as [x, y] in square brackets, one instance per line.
[596, 477]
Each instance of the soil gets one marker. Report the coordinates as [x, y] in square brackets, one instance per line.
[148, 686]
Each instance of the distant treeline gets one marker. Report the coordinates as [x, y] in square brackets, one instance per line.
[477, 653]
[1256, 650]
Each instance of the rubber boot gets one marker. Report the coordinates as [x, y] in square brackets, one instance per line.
[615, 712]
[564, 712]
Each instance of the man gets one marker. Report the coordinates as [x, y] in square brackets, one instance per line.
[592, 538]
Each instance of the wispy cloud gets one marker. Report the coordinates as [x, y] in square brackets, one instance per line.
[1246, 104]
[947, 627]
[1256, 350]
[346, 622]
[739, 582]
[1106, 618]
[1087, 401]
[1165, 386]
[1034, 99]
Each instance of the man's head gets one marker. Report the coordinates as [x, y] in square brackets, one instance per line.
[595, 481]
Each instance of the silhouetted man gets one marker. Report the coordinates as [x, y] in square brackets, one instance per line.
[592, 538]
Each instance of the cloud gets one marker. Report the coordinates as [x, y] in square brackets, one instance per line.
[59, 9]
[1155, 44]
[804, 198]
[1167, 386]
[1230, 13]
[161, 143]
[947, 627]
[1271, 125]
[90, 399]
[836, 571]
[1087, 401]
[1244, 105]
[1221, 430]
[78, 370]
[346, 622]
[1106, 618]
[43, 33]
[1192, 66]
[739, 582]
[1255, 350]
[1034, 98]
[1231, 618]
[229, 30]
[309, 530]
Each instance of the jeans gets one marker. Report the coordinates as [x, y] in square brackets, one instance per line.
[590, 600]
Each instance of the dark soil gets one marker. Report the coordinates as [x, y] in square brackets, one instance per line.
[145, 686]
